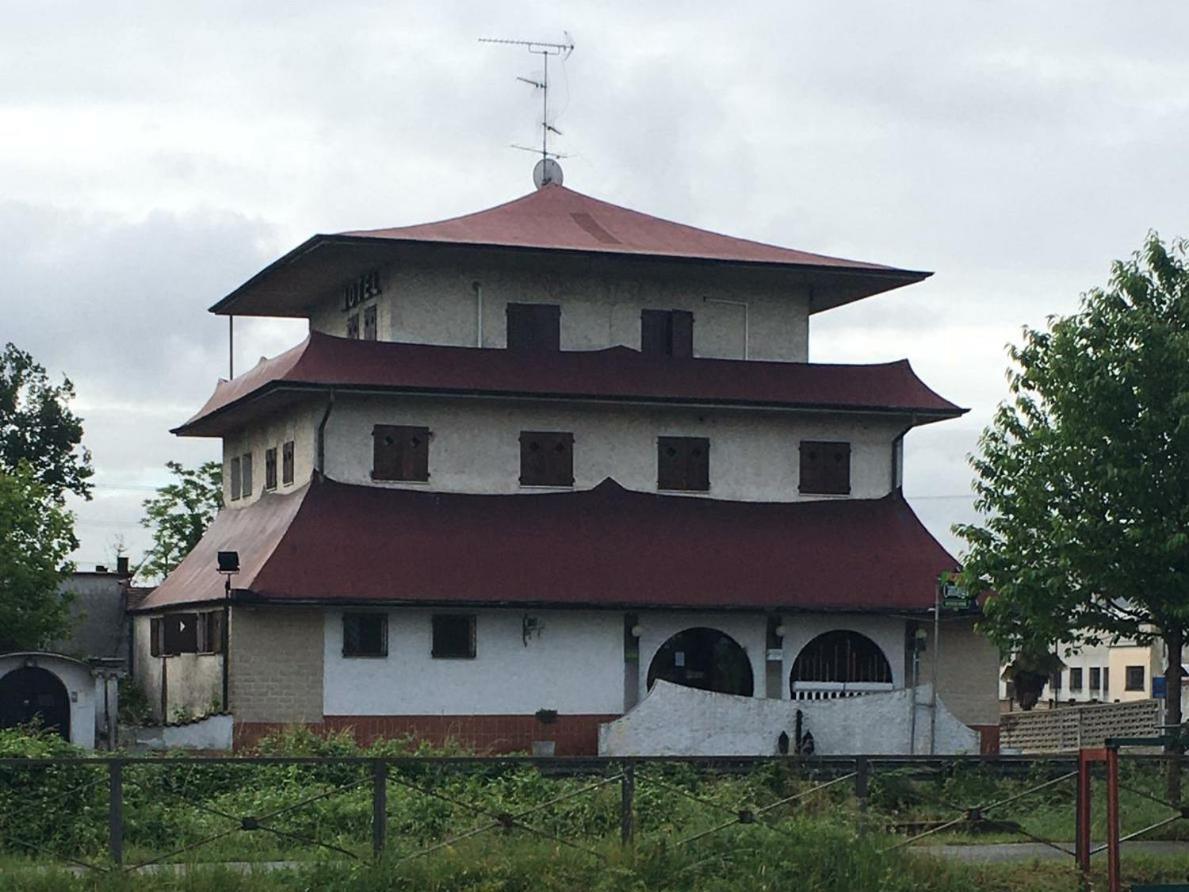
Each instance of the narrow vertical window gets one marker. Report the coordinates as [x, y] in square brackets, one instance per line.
[369, 323]
[236, 478]
[667, 332]
[287, 463]
[546, 458]
[534, 327]
[246, 474]
[400, 452]
[353, 326]
[683, 463]
[825, 468]
[270, 468]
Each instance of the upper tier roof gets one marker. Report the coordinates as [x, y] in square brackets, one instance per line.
[552, 219]
[618, 374]
[603, 547]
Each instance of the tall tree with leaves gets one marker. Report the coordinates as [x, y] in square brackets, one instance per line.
[37, 426]
[36, 537]
[1083, 475]
[179, 514]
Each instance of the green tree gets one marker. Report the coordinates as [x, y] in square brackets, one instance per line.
[1083, 475]
[36, 537]
[37, 426]
[180, 513]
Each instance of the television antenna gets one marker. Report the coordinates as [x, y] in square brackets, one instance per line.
[547, 170]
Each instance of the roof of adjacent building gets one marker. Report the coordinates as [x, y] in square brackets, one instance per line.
[619, 374]
[558, 220]
[334, 543]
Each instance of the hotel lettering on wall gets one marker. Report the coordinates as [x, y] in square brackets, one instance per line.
[357, 291]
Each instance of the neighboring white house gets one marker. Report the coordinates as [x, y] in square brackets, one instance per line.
[531, 460]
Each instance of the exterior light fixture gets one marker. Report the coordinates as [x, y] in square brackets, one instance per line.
[779, 631]
[636, 630]
[228, 561]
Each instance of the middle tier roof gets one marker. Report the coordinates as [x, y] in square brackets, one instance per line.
[615, 374]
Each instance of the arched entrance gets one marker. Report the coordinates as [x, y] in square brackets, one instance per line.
[34, 694]
[839, 664]
[706, 659]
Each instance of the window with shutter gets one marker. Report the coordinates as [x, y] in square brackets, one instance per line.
[400, 452]
[534, 327]
[365, 634]
[353, 327]
[235, 478]
[453, 637]
[667, 332]
[369, 323]
[825, 467]
[287, 463]
[270, 468]
[179, 633]
[546, 458]
[683, 463]
[246, 474]
[155, 637]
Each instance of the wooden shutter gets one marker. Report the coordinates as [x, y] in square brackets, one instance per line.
[353, 326]
[270, 468]
[400, 452]
[369, 323]
[534, 327]
[235, 478]
[155, 637]
[683, 463]
[681, 336]
[246, 474]
[667, 333]
[825, 467]
[546, 458]
[287, 462]
[654, 332]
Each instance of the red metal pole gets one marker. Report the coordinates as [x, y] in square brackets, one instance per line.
[1082, 832]
[1115, 881]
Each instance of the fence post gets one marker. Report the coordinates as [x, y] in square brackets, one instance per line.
[379, 807]
[862, 781]
[115, 810]
[627, 790]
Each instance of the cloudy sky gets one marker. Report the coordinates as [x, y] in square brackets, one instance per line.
[153, 155]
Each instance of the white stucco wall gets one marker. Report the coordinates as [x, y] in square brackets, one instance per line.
[81, 690]
[679, 721]
[194, 682]
[575, 666]
[475, 444]
[434, 302]
[299, 424]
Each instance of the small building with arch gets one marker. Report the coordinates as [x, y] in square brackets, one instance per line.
[57, 692]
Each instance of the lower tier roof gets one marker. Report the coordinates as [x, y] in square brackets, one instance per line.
[607, 547]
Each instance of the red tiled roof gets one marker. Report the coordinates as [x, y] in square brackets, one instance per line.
[554, 219]
[619, 373]
[604, 547]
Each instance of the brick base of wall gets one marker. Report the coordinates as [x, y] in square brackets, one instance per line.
[573, 735]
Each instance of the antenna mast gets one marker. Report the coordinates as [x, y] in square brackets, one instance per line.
[549, 170]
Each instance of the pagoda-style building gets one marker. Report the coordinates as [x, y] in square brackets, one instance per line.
[530, 460]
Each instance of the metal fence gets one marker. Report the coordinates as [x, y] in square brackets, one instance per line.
[126, 813]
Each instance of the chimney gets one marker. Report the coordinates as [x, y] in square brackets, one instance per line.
[122, 567]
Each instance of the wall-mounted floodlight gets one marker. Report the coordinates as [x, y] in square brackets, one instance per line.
[228, 561]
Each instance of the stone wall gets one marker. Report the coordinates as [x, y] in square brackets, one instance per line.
[276, 664]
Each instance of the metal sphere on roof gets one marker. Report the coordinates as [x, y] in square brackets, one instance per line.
[547, 171]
